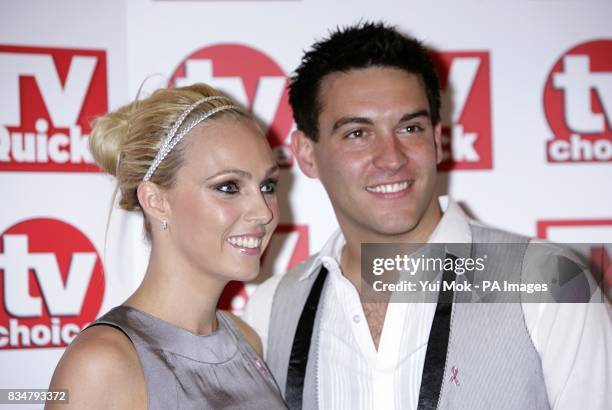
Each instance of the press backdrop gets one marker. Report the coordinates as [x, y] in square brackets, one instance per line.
[527, 89]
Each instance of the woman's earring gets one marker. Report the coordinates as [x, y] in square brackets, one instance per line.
[164, 225]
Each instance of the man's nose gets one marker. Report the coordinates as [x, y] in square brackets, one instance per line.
[389, 153]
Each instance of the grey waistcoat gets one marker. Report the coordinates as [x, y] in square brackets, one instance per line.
[490, 343]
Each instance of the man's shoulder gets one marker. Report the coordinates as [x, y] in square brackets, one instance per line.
[302, 268]
[267, 288]
[536, 248]
[561, 267]
[259, 307]
[484, 233]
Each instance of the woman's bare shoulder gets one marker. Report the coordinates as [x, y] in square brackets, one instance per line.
[100, 369]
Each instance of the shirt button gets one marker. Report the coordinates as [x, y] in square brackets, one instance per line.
[356, 318]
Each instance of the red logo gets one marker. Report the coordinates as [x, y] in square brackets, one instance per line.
[251, 78]
[466, 109]
[598, 232]
[578, 104]
[49, 97]
[52, 284]
[287, 248]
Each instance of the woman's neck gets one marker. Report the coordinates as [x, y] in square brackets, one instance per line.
[176, 293]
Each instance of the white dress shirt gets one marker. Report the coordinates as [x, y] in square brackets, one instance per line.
[574, 341]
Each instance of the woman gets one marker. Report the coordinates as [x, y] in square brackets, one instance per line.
[203, 175]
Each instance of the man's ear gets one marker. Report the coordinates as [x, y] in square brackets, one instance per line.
[438, 141]
[303, 151]
[154, 202]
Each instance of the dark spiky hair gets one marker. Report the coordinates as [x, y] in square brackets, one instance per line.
[359, 46]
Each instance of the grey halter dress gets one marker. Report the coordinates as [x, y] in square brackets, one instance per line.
[184, 370]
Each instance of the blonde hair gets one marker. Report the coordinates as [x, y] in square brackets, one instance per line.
[124, 142]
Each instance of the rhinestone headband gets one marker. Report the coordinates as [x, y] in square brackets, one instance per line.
[173, 138]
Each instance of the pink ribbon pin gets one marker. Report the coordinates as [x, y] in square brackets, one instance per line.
[454, 380]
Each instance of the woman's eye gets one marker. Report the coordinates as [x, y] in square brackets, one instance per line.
[228, 188]
[269, 187]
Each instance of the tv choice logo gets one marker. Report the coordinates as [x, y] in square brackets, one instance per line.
[466, 109]
[251, 78]
[49, 97]
[596, 234]
[578, 104]
[288, 247]
[52, 284]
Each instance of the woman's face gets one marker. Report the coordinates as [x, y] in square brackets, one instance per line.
[223, 204]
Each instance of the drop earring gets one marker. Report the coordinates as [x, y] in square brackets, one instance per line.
[164, 225]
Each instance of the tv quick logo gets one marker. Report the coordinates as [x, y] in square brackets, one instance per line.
[250, 77]
[49, 96]
[288, 247]
[52, 284]
[466, 109]
[578, 104]
[590, 232]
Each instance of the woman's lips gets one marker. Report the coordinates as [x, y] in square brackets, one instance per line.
[247, 244]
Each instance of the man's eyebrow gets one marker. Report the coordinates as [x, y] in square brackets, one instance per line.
[363, 120]
[412, 115]
[350, 120]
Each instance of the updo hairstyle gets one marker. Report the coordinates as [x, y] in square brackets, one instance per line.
[124, 142]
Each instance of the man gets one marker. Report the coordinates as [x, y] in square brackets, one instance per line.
[366, 103]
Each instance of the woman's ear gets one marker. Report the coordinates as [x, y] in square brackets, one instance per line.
[154, 202]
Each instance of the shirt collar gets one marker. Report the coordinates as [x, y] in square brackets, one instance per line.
[453, 228]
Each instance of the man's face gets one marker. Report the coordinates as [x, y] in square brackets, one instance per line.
[377, 153]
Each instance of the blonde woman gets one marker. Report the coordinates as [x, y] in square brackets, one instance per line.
[203, 175]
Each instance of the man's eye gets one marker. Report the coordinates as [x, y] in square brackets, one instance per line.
[228, 188]
[269, 187]
[412, 129]
[355, 134]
